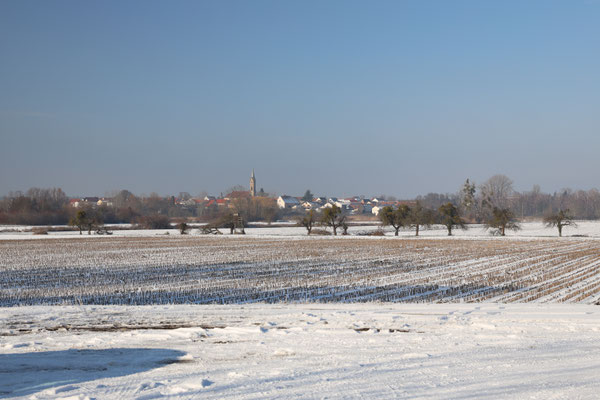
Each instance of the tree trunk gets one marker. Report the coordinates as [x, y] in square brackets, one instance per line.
[449, 230]
[334, 230]
[396, 234]
[559, 230]
[417, 232]
[502, 231]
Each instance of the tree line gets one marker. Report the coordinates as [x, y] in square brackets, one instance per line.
[475, 200]
[51, 206]
[494, 203]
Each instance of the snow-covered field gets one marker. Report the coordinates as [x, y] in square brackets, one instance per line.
[245, 269]
[409, 351]
[285, 331]
[529, 230]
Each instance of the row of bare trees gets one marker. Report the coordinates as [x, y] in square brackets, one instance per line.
[35, 207]
[449, 215]
[498, 220]
[332, 217]
[476, 201]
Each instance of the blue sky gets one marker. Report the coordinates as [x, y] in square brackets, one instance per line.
[342, 97]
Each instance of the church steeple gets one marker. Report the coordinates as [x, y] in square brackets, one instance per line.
[253, 184]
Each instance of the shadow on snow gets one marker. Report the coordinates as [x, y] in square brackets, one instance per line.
[22, 374]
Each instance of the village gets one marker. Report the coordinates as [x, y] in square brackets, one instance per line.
[286, 204]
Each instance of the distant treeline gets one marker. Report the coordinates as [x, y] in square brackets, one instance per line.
[498, 191]
[52, 207]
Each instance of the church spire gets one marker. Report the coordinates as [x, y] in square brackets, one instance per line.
[253, 184]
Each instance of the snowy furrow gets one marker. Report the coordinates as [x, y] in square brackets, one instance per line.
[215, 270]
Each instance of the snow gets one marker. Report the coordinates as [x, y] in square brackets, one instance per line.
[375, 350]
[244, 269]
[528, 333]
[529, 230]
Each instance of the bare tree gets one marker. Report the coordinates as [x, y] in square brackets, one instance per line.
[420, 216]
[184, 196]
[496, 191]
[308, 221]
[560, 219]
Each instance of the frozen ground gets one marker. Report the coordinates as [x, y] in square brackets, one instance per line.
[247, 269]
[377, 350]
[489, 349]
[529, 230]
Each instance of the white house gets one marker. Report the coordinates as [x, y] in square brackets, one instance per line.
[287, 202]
[309, 205]
[104, 202]
[375, 210]
[326, 205]
[367, 208]
[343, 203]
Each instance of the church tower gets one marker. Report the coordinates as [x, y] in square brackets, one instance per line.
[253, 184]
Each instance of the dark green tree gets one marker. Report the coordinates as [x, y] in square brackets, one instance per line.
[450, 217]
[87, 219]
[560, 219]
[467, 195]
[397, 218]
[308, 196]
[500, 220]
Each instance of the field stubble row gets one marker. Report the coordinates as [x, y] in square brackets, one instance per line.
[243, 269]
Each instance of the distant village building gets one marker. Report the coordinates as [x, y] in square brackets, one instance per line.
[91, 202]
[309, 205]
[287, 202]
[375, 210]
[105, 202]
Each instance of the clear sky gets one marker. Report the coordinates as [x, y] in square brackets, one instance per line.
[342, 97]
